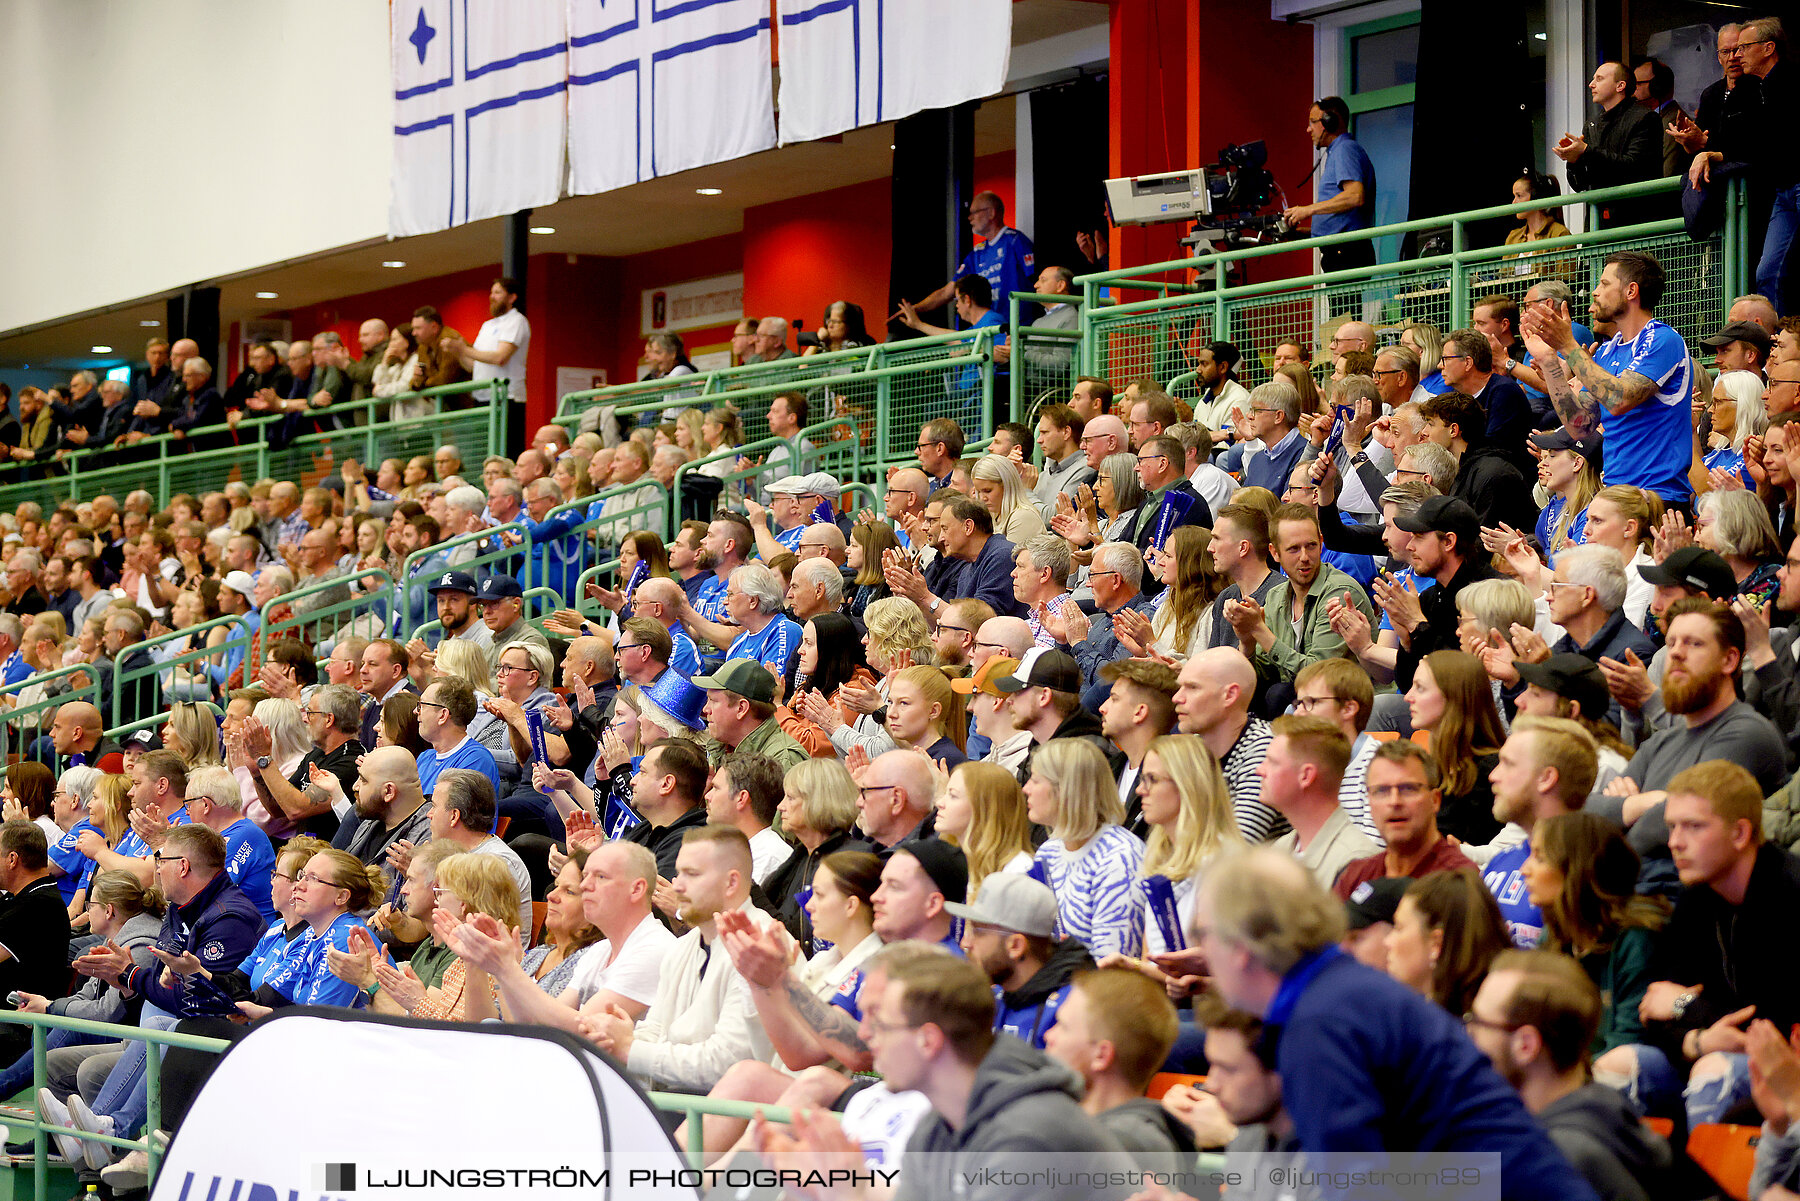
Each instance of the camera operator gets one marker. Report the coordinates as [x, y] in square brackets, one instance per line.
[1345, 189]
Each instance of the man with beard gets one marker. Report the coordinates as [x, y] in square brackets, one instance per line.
[1534, 1018]
[1706, 646]
[1010, 933]
[395, 815]
[1294, 629]
[1636, 687]
[1447, 547]
[702, 1020]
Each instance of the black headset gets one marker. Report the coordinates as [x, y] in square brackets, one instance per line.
[1334, 114]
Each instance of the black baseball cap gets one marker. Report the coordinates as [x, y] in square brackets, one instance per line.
[1043, 668]
[1573, 677]
[455, 581]
[1444, 515]
[1741, 331]
[1375, 901]
[1561, 439]
[947, 866]
[1694, 567]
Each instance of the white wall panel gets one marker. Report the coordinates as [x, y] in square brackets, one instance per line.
[147, 144]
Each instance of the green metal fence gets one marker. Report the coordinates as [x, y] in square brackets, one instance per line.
[166, 464]
[141, 690]
[691, 1107]
[1160, 336]
[1043, 361]
[23, 721]
[884, 392]
[491, 554]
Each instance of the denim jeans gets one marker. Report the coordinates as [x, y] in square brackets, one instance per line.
[1784, 224]
[18, 1076]
[125, 1095]
[1654, 1087]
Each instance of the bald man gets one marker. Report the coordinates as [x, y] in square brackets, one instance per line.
[1104, 435]
[1351, 335]
[78, 730]
[392, 816]
[822, 540]
[898, 800]
[659, 599]
[908, 490]
[1212, 699]
[372, 339]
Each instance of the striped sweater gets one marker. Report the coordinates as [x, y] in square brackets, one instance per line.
[1097, 898]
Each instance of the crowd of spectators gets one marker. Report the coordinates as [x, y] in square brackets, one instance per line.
[1287, 735]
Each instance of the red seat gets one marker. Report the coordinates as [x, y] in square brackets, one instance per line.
[1727, 1154]
[1162, 1082]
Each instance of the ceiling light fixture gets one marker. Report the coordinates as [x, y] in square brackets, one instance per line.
[267, 295]
[393, 263]
[101, 349]
[709, 191]
[150, 324]
[543, 229]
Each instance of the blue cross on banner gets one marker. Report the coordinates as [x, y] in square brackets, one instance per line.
[480, 120]
[661, 86]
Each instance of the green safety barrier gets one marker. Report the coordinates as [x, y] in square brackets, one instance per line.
[166, 464]
[692, 1107]
[23, 723]
[322, 611]
[502, 559]
[885, 392]
[139, 697]
[1043, 361]
[1159, 337]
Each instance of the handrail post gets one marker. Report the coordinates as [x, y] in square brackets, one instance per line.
[152, 1102]
[40, 1079]
[1015, 380]
[1459, 275]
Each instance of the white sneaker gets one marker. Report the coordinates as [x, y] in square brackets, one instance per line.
[99, 1155]
[57, 1114]
[132, 1172]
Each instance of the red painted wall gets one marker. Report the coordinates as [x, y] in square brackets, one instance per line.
[800, 255]
[1174, 105]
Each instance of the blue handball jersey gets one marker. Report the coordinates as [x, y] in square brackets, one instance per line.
[1006, 261]
[1651, 446]
[770, 646]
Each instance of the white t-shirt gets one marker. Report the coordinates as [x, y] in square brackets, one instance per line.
[882, 1120]
[507, 327]
[633, 975]
[768, 851]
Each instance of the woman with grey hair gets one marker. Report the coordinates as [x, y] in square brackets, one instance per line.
[1736, 526]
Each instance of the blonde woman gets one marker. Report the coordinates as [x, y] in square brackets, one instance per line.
[1191, 582]
[466, 885]
[925, 714]
[192, 732]
[1622, 517]
[818, 812]
[983, 812]
[897, 638]
[1188, 807]
[1001, 492]
[1091, 861]
[467, 661]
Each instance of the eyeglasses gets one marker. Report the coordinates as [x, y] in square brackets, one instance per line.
[281, 876]
[1096, 574]
[1773, 381]
[1390, 371]
[927, 445]
[433, 705]
[1471, 1020]
[1305, 704]
[506, 667]
[628, 646]
[878, 1027]
[1150, 458]
[1739, 48]
[877, 788]
[1443, 357]
[311, 878]
[162, 858]
[1263, 409]
[992, 646]
[1407, 791]
[942, 626]
[439, 892]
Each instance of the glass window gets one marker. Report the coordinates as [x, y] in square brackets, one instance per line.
[1384, 59]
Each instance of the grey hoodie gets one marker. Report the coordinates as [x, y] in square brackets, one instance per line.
[1023, 1117]
[98, 1001]
[1156, 1139]
[1601, 1136]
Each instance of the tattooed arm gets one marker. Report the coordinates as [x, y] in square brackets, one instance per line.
[1563, 362]
[806, 1031]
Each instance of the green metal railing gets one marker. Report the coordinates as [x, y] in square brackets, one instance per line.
[1043, 361]
[885, 392]
[1159, 336]
[138, 699]
[368, 614]
[504, 559]
[692, 1107]
[154, 1041]
[22, 724]
[167, 464]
